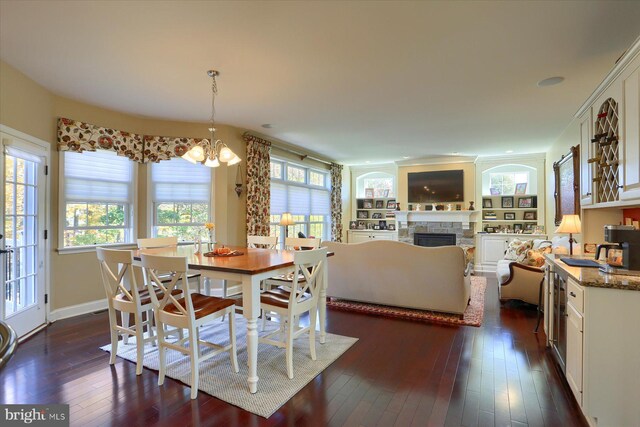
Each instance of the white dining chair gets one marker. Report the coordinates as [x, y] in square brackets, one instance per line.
[124, 297]
[302, 298]
[167, 242]
[189, 312]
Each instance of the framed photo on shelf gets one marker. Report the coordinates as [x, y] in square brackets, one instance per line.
[362, 225]
[487, 203]
[538, 229]
[490, 229]
[363, 215]
[391, 204]
[517, 228]
[383, 225]
[509, 216]
[507, 201]
[379, 204]
[530, 215]
[528, 228]
[353, 225]
[368, 204]
[521, 188]
[368, 193]
[385, 193]
[525, 202]
[495, 191]
[376, 215]
[391, 227]
[376, 227]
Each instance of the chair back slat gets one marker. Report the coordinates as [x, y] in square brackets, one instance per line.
[292, 242]
[114, 280]
[308, 264]
[264, 242]
[153, 266]
[157, 242]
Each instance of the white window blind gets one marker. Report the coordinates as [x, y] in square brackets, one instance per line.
[177, 180]
[298, 200]
[100, 176]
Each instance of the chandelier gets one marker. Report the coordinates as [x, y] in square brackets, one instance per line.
[213, 151]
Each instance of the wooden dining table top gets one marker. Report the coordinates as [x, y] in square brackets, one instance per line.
[253, 261]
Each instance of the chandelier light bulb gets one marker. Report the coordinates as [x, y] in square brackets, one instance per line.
[188, 158]
[197, 152]
[226, 154]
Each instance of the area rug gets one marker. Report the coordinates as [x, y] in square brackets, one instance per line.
[473, 315]
[218, 379]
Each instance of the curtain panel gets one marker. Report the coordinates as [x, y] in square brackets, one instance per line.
[258, 185]
[78, 136]
[336, 202]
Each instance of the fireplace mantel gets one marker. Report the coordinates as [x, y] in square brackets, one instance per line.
[464, 217]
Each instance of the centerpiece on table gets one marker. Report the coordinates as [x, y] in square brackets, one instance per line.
[210, 228]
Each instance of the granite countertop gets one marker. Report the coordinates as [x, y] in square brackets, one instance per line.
[593, 277]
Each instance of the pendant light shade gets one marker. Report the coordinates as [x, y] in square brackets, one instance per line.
[234, 160]
[226, 154]
[212, 163]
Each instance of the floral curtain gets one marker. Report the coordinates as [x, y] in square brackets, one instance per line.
[78, 136]
[336, 202]
[258, 185]
[158, 148]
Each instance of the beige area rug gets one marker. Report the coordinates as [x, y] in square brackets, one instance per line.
[473, 315]
[218, 379]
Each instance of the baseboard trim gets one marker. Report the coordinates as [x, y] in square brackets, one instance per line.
[77, 310]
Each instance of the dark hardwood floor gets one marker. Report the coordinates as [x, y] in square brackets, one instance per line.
[400, 373]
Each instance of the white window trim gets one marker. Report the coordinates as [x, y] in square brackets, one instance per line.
[327, 187]
[151, 211]
[62, 215]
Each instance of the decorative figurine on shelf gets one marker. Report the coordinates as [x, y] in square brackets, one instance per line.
[418, 207]
[435, 207]
[210, 228]
[397, 206]
[471, 208]
[449, 207]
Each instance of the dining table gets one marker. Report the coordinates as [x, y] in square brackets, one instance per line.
[250, 268]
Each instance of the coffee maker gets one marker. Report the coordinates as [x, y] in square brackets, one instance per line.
[622, 254]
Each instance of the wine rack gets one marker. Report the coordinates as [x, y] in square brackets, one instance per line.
[607, 152]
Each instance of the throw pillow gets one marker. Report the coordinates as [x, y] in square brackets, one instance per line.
[535, 257]
[517, 250]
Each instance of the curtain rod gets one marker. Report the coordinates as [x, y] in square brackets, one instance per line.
[288, 150]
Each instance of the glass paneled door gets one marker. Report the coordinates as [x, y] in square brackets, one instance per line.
[22, 246]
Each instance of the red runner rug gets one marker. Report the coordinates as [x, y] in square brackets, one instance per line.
[473, 315]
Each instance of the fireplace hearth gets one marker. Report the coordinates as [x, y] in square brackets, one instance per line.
[434, 239]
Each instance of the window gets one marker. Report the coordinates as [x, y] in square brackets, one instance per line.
[181, 199]
[303, 192]
[505, 182]
[98, 198]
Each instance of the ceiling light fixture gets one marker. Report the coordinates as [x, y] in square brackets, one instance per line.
[551, 81]
[214, 150]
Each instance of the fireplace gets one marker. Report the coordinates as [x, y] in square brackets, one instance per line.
[434, 239]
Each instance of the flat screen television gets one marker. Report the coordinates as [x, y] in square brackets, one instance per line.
[436, 187]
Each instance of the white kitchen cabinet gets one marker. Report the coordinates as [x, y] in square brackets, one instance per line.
[574, 362]
[586, 152]
[630, 132]
[358, 236]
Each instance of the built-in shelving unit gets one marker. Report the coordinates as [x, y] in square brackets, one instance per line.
[374, 203]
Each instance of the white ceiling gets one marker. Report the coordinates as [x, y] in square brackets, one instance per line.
[354, 81]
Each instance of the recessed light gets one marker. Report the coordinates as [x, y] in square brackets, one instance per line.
[551, 81]
[267, 125]
[509, 151]
[405, 157]
[455, 153]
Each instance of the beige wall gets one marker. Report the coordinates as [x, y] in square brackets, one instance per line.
[469, 179]
[29, 108]
[569, 138]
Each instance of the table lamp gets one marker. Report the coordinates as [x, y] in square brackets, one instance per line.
[286, 219]
[570, 224]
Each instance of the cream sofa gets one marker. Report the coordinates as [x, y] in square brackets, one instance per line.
[399, 274]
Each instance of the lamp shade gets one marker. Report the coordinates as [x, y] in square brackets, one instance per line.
[570, 224]
[286, 219]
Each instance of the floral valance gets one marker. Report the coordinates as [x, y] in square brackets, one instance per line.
[79, 136]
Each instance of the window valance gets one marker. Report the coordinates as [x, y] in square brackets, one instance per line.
[78, 136]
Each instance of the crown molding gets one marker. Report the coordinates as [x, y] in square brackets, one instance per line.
[439, 160]
[622, 63]
[512, 158]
